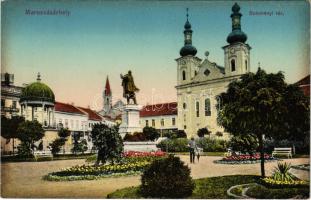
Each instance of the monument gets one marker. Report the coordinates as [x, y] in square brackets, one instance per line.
[130, 112]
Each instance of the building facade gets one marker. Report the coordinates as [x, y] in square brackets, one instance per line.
[37, 102]
[162, 117]
[199, 82]
[10, 95]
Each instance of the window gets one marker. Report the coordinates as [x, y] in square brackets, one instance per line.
[71, 123]
[147, 124]
[195, 72]
[2, 102]
[162, 122]
[183, 75]
[232, 65]
[173, 121]
[153, 123]
[207, 107]
[14, 104]
[246, 64]
[66, 123]
[185, 127]
[184, 105]
[197, 108]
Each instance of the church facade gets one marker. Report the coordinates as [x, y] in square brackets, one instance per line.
[200, 81]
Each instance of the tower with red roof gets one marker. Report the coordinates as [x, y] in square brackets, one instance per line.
[107, 98]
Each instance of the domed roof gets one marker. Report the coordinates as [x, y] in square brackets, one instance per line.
[236, 36]
[37, 91]
[188, 50]
[187, 25]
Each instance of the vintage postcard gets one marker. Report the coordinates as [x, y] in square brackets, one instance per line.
[155, 99]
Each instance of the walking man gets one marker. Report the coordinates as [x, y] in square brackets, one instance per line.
[192, 147]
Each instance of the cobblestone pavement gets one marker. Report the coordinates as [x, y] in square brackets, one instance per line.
[24, 179]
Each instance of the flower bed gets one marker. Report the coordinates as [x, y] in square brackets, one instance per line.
[143, 154]
[272, 183]
[132, 163]
[244, 159]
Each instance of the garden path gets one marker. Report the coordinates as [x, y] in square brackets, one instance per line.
[24, 179]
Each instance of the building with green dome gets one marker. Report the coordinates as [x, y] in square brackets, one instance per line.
[37, 103]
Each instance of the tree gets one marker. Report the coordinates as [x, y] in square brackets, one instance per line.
[219, 134]
[244, 143]
[203, 131]
[263, 105]
[108, 143]
[9, 128]
[30, 132]
[151, 133]
[56, 144]
[80, 146]
[181, 134]
[64, 133]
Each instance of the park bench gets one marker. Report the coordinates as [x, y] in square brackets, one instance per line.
[282, 151]
[42, 154]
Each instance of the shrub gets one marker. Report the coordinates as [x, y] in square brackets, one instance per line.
[244, 143]
[150, 133]
[175, 134]
[212, 145]
[56, 145]
[203, 131]
[167, 178]
[135, 137]
[219, 134]
[281, 172]
[24, 151]
[174, 145]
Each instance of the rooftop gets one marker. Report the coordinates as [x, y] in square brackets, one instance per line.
[159, 109]
[67, 108]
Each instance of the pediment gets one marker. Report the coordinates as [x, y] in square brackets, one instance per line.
[208, 71]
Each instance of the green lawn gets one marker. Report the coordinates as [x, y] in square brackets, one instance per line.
[216, 187]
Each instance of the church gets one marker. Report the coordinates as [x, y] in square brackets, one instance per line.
[200, 81]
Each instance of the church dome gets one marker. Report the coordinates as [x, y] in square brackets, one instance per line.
[188, 50]
[187, 25]
[236, 36]
[37, 91]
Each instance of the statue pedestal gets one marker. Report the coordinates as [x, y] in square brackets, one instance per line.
[130, 120]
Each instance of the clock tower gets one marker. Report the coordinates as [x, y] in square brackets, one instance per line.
[237, 53]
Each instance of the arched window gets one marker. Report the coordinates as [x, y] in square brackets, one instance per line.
[246, 64]
[207, 107]
[232, 65]
[184, 106]
[195, 72]
[183, 75]
[197, 108]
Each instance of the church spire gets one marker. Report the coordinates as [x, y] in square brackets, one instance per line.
[107, 87]
[237, 35]
[188, 49]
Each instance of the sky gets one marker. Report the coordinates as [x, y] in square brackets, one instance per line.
[75, 53]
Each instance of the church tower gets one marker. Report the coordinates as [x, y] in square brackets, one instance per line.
[187, 64]
[107, 97]
[237, 58]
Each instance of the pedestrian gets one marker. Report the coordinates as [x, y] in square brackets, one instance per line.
[198, 152]
[192, 147]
